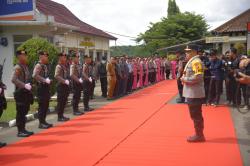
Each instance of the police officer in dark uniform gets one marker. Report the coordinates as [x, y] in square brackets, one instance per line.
[41, 76]
[217, 75]
[87, 80]
[63, 86]
[181, 65]
[3, 103]
[102, 73]
[207, 75]
[234, 65]
[23, 95]
[77, 82]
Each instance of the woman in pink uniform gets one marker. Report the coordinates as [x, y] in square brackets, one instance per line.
[141, 74]
[146, 79]
[173, 67]
[134, 87]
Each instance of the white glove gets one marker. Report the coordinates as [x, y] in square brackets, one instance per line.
[90, 79]
[1, 90]
[80, 80]
[67, 82]
[48, 81]
[28, 86]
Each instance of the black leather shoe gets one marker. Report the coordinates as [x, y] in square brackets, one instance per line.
[88, 109]
[196, 138]
[78, 113]
[63, 119]
[50, 125]
[29, 132]
[2, 144]
[43, 126]
[22, 134]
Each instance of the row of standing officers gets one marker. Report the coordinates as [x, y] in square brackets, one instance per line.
[80, 78]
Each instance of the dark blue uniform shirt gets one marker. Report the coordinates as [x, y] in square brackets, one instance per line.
[216, 69]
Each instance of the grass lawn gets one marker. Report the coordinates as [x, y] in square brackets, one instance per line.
[10, 113]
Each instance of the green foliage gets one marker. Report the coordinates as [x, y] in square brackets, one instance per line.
[172, 57]
[241, 49]
[175, 29]
[248, 52]
[130, 51]
[173, 9]
[32, 47]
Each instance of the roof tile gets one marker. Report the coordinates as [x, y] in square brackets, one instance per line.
[65, 16]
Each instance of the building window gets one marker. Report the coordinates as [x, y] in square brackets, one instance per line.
[20, 39]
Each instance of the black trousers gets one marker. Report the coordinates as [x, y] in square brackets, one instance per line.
[196, 115]
[62, 98]
[215, 91]
[180, 89]
[130, 82]
[1, 112]
[77, 90]
[104, 86]
[92, 88]
[243, 91]
[23, 102]
[233, 85]
[206, 87]
[167, 72]
[43, 96]
[86, 94]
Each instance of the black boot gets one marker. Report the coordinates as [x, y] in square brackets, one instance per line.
[43, 126]
[50, 125]
[23, 134]
[2, 144]
[63, 119]
[78, 113]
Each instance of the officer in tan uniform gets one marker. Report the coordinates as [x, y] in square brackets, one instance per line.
[194, 91]
[23, 95]
[87, 77]
[77, 82]
[41, 76]
[63, 86]
[111, 77]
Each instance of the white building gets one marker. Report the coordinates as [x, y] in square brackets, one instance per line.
[232, 32]
[58, 25]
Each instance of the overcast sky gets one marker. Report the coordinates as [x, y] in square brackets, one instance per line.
[131, 17]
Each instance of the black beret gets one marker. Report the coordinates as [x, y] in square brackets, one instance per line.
[193, 47]
[43, 53]
[21, 52]
[62, 54]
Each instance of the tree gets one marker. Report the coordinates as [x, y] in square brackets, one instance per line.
[173, 8]
[32, 47]
[176, 29]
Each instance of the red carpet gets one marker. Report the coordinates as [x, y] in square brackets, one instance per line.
[138, 130]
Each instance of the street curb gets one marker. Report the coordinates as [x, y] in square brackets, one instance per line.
[30, 117]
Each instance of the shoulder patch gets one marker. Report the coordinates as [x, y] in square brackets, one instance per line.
[197, 67]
